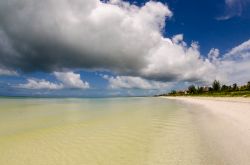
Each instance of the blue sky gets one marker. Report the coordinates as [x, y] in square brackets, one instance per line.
[121, 48]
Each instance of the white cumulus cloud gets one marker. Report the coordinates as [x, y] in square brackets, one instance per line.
[114, 35]
[234, 66]
[240, 51]
[213, 54]
[127, 82]
[71, 80]
[66, 80]
[40, 84]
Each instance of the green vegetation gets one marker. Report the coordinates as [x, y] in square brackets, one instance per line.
[217, 89]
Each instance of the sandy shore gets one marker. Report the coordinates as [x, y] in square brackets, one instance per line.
[224, 124]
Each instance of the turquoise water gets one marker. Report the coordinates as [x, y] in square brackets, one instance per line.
[119, 131]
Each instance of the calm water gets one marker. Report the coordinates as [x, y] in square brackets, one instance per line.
[118, 131]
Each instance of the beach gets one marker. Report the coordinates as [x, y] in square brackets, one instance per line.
[225, 124]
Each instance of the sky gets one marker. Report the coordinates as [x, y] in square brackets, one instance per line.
[108, 48]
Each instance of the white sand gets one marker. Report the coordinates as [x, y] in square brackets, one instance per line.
[224, 124]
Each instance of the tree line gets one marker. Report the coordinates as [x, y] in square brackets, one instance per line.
[217, 88]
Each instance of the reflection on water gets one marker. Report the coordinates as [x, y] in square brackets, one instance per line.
[119, 131]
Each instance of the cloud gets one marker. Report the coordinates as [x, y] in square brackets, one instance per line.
[66, 79]
[213, 54]
[87, 34]
[241, 51]
[71, 80]
[235, 65]
[171, 61]
[6, 72]
[6, 50]
[90, 34]
[233, 8]
[40, 84]
[128, 82]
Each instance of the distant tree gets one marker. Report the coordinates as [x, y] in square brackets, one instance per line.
[192, 89]
[243, 88]
[235, 87]
[200, 90]
[215, 89]
[224, 88]
[248, 85]
[216, 85]
[173, 92]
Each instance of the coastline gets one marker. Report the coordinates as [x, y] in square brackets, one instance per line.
[224, 125]
[194, 99]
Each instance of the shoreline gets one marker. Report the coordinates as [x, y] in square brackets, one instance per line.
[223, 124]
[225, 99]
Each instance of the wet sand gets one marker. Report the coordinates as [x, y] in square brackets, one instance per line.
[224, 124]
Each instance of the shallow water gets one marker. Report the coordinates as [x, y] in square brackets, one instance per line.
[117, 131]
